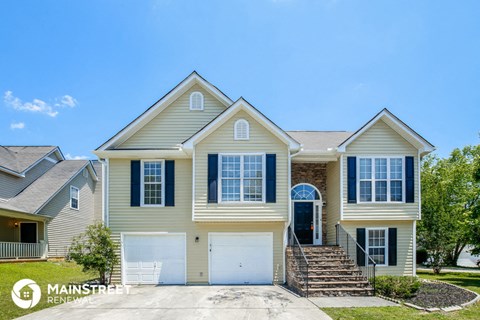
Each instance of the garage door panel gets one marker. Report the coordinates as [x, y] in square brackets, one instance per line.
[242, 258]
[154, 259]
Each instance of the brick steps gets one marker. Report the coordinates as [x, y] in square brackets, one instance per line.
[330, 273]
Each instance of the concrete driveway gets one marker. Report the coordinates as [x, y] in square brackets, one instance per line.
[189, 302]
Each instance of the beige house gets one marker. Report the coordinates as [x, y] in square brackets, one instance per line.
[45, 201]
[203, 189]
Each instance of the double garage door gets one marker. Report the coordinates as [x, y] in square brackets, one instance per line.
[234, 258]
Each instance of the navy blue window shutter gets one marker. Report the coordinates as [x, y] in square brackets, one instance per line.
[135, 176]
[169, 183]
[361, 236]
[271, 178]
[409, 180]
[212, 178]
[392, 246]
[352, 179]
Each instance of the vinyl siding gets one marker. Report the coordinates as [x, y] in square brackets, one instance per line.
[221, 141]
[10, 185]
[176, 123]
[405, 250]
[333, 200]
[380, 140]
[123, 218]
[67, 222]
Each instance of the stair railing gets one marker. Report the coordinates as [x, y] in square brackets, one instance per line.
[355, 252]
[300, 257]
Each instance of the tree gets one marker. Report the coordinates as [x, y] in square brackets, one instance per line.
[95, 251]
[450, 196]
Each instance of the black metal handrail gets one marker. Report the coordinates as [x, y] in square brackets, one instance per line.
[300, 257]
[355, 252]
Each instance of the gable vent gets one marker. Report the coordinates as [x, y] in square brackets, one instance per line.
[196, 101]
[242, 130]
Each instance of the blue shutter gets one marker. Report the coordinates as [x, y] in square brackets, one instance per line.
[352, 179]
[169, 183]
[212, 178]
[361, 236]
[135, 177]
[271, 178]
[392, 246]
[409, 180]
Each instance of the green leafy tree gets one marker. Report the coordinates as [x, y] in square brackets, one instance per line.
[450, 197]
[95, 251]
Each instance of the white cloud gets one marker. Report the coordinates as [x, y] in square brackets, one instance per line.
[17, 125]
[37, 105]
[68, 156]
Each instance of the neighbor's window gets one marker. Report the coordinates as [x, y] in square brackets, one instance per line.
[242, 178]
[242, 130]
[381, 180]
[196, 101]
[377, 245]
[152, 182]
[74, 197]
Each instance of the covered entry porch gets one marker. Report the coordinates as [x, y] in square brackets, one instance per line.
[22, 235]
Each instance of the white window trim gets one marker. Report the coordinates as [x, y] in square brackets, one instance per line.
[142, 184]
[78, 198]
[367, 247]
[264, 180]
[373, 157]
[235, 131]
[202, 105]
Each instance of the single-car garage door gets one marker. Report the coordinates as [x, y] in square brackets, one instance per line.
[241, 258]
[154, 258]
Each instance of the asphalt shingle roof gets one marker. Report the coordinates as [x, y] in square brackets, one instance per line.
[20, 158]
[33, 197]
[319, 141]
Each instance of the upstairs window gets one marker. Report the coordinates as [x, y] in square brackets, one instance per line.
[196, 101]
[381, 179]
[74, 197]
[152, 183]
[242, 178]
[242, 130]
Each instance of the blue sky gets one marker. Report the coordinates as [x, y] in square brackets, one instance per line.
[74, 73]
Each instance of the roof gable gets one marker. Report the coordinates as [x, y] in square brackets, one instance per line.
[395, 124]
[17, 160]
[162, 104]
[241, 104]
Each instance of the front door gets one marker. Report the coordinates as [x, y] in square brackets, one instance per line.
[28, 232]
[303, 222]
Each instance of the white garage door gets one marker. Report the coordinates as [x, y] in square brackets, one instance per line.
[154, 259]
[241, 258]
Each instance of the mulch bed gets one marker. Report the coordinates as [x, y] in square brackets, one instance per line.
[440, 295]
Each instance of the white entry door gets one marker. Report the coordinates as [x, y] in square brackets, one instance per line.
[241, 258]
[154, 258]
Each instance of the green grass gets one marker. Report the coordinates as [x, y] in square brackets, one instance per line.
[42, 273]
[467, 280]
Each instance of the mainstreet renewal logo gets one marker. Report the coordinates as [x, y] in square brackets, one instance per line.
[26, 293]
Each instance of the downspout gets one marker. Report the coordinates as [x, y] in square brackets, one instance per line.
[105, 184]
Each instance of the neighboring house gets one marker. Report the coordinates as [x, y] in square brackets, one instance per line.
[203, 189]
[45, 201]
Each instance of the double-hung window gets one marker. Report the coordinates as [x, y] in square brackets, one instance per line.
[377, 245]
[381, 179]
[242, 177]
[152, 183]
[74, 197]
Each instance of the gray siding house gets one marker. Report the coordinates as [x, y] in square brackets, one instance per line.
[45, 200]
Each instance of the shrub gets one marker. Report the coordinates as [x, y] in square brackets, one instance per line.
[397, 287]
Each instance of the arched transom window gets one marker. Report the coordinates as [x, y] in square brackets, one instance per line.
[242, 130]
[305, 192]
[196, 101]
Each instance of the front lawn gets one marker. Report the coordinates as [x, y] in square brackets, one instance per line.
[42, 273]
[467, 280]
